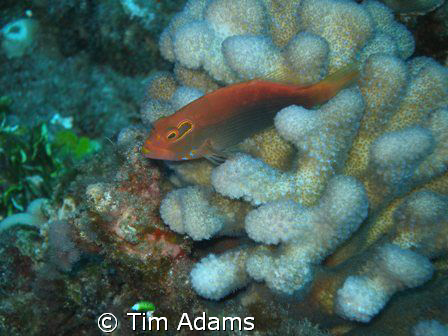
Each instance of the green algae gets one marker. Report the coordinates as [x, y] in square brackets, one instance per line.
[32, 159]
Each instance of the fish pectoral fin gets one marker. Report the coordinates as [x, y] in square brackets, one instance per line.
[215, 159]
[214, 156]
[219, 157]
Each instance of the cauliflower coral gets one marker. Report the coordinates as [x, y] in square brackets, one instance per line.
[367, 170]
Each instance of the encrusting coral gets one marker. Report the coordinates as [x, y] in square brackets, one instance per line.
[99, 242]
[366, 170]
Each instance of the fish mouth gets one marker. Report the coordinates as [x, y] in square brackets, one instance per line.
[145, 151]
[157, 154]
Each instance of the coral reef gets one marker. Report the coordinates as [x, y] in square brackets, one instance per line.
[122, 34]
[362, 296]
[90, 93]
[335, 215]
[216, 277]
[104, 232]
[126, 206]
[103, 246]
[348, 184]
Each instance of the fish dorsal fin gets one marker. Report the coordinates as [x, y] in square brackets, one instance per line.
[284, 74]
[211, 154]
[346, 75]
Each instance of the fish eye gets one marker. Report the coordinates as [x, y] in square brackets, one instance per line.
[172, 134]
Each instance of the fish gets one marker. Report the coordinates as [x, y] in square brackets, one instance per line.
[144, 306]
[216, 122]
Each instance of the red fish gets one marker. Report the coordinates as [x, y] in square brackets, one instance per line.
[225, 117]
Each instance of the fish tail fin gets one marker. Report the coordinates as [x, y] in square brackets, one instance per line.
[331, 85]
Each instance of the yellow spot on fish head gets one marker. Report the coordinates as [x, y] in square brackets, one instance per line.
[185, 127]
[174, 134]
